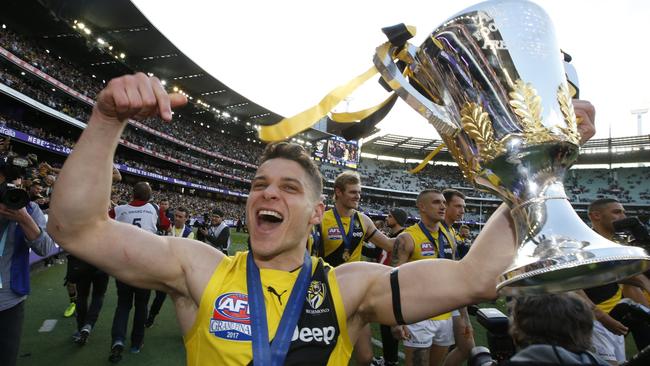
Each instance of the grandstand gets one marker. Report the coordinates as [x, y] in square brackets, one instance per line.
[51, 70]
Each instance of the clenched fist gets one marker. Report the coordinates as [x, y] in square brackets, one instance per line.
[137, 96]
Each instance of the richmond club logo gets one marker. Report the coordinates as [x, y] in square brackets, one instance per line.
[316, 294]
[231, 317]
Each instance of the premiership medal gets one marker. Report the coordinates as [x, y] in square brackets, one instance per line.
[346, 255]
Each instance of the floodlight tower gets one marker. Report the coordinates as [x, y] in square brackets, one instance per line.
[639, 119]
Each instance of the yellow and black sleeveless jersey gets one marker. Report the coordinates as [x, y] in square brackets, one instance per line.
[314, 241]
[452, 237]
[332, 238]
[221, 334]
[423, 248]
[606, 296]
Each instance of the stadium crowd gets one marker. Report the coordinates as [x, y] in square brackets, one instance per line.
[595, 186]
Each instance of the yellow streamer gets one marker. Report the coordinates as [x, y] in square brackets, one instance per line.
[293, 125]
[300, 122]
[426, 160]
[359, 115]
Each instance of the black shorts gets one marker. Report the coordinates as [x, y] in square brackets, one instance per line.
[77, 269]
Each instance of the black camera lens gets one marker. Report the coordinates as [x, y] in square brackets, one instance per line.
[480, 356]
[15, 198]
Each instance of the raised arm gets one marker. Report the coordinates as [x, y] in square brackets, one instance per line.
[78, 218]
[431, 287]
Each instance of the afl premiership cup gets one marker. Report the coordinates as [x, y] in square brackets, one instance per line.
[491, 81]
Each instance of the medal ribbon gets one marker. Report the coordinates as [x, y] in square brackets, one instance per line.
[440, 243]
[274, 353]
[345, 237]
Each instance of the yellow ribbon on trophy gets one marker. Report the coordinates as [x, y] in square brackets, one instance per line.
[426, 160]
[300, 122]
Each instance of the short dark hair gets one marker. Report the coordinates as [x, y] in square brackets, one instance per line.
[426, 192]
[164, 199]
[142, 191]
[598, 204]
[183, 210]
[450, 193]
[557, 319]
[298, 154]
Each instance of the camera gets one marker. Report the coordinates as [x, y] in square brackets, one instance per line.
[13, 167]
[203, 224]
[629, 313]
[501, 346]
[632, 230]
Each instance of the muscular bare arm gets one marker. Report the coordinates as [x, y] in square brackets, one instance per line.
[366, 287]
[78, 218]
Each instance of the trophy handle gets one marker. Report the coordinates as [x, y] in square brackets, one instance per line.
[435, 114]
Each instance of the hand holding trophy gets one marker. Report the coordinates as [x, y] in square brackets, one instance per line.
[491, 81]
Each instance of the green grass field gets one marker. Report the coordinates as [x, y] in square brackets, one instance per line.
[163, 342]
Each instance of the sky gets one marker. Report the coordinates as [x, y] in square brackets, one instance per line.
[287, 55]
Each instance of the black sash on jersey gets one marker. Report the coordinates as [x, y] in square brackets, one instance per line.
[346, 238]
[318, 312]
[600, 294]
[336, 257]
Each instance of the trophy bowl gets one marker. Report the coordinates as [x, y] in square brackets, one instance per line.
[491, 81]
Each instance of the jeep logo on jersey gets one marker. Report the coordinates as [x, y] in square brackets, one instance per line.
[334, 233]
[230, 318]
[317, 335]
[427, 249]
[316, 294]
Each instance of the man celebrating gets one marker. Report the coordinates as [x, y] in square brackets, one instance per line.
[462, 327]
[343, 231]
[344, 228]
[229, 308]
[429, 338]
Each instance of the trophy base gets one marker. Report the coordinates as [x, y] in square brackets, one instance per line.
[561, 253]
[569, 273]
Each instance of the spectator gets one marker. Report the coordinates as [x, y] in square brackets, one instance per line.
[218, 233]
[24, 229]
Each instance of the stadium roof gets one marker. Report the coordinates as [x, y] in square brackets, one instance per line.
[123, 29]
[633, 149]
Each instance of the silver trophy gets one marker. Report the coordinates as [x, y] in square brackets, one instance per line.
[491, 81]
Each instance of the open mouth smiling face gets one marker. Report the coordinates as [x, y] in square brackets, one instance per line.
[268, 219]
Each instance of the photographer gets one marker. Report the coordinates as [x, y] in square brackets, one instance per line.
[553, 329]
[22, 228]
[217, 234]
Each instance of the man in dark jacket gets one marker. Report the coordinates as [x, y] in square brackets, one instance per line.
[218, 233]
